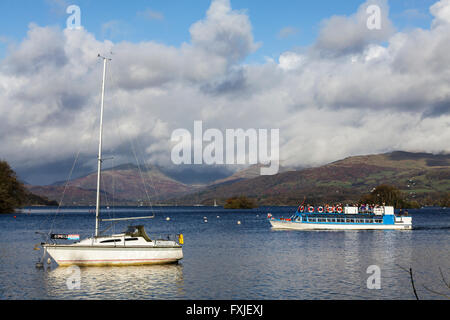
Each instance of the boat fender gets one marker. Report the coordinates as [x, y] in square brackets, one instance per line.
[180, 239]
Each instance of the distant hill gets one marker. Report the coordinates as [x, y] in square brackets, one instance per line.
[421, 176]
[125, 184]
[32, 199]
[251, 172]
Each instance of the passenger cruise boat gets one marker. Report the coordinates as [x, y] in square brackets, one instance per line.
[343, 218]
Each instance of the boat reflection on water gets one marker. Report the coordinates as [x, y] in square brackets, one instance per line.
[134, 282]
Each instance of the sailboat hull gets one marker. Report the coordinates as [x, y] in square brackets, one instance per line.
[68, 255]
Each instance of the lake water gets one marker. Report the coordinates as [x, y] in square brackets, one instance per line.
[224, 260]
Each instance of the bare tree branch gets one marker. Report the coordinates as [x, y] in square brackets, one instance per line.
[443, 279]
[435, 292]
[412, 283]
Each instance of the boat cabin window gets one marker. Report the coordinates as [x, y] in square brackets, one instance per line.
[110, 241]
[131, 239]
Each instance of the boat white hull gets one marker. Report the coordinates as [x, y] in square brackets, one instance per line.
[290, 225]
[67, 255]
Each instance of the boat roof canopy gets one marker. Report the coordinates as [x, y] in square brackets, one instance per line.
[137, 231]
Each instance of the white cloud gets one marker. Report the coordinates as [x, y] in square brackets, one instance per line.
[441, 11]
[224, 32]
[348, 35]
[359, 96]
[290, 60]
[287, 32]
[151, 14]
[114, 28]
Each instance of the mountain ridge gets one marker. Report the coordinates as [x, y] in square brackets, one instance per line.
[419, 175]
[126, 184]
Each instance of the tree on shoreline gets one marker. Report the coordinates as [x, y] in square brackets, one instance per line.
[12, 192]
[388, 195]
[241, 202]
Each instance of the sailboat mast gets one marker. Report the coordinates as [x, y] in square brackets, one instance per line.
[97, 207]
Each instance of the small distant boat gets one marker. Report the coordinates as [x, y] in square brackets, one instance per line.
[132, 247]
[339, 218]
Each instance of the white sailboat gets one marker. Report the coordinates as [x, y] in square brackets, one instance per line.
[132, 247]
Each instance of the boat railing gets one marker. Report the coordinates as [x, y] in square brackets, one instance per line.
[372, 210]
[178, 238]
[163, 236]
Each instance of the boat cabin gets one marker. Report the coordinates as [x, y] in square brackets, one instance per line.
[137, 231]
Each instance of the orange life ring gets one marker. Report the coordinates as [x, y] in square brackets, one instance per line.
[339, 209]
[330, 209]
[301, 209]
[311, 209]
[320, 210]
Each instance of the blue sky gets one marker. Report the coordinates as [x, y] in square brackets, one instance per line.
[170, 21]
